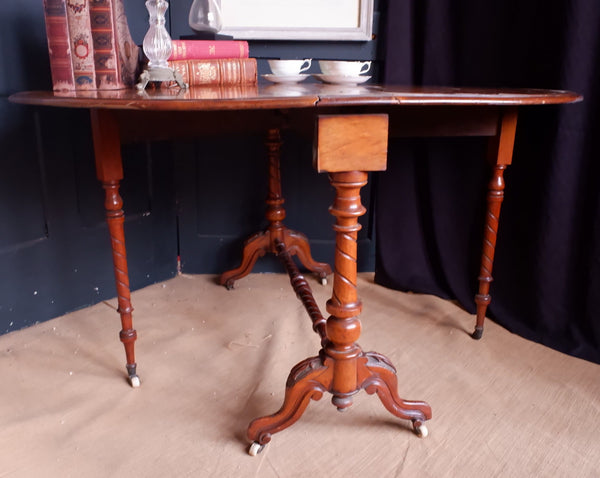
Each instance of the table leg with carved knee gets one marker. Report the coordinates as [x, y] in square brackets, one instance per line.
[341, 368]
[109, 170]
[500, 156]
[265, 241]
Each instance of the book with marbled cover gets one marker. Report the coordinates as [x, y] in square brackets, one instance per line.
[57, 33]
[82, 49]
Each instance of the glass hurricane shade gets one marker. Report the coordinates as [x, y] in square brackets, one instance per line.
[205, 16]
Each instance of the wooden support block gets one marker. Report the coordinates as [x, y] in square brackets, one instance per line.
[107, 145]
[351, 143]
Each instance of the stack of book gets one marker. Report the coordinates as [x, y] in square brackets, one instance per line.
[214, 62]
[90, 45]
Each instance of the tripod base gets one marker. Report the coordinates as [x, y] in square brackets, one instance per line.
[314, 376]
[262, 242]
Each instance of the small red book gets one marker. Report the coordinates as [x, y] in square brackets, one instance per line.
[209, 49]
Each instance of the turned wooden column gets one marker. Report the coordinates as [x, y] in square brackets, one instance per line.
[275, 213]
[500, 156]
[109, 170]
[343, 326]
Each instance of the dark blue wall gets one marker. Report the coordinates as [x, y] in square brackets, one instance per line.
[54, 247]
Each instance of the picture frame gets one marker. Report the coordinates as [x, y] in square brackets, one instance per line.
[326, 20]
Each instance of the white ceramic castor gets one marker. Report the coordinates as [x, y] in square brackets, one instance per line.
[421, 430]
[323, 280]
[255, 448]
[134, 381]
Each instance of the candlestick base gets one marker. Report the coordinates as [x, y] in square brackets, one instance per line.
[160, 75]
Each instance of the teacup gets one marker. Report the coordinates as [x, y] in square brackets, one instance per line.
[344, 68]
[289, 67]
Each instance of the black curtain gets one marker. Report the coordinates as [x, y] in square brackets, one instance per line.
[430, 202]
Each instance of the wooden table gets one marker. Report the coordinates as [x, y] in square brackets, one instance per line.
[351, 125]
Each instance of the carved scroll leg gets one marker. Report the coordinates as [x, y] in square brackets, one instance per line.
[109, 169]
[500, 153]
[381, 379]
[254, 247]
[297, 243]
[307, 380]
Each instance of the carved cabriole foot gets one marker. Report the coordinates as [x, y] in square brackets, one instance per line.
[307, 380]
[109, 169]
[297, 243]
[255, 246]
[266, 242]
[500, 156]
[380, 377]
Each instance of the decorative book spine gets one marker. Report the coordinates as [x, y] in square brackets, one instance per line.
[82, 49]
[232, 71]
[128, 53]
[115, 53]
[209, 49]
[57, 33]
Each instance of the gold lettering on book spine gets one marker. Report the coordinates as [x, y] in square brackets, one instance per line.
[203, 73]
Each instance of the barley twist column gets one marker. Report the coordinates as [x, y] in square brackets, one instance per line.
[343, 326]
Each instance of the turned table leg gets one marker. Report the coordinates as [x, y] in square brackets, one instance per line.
[266, 241]
[109, 169]
[500, 155]
[342, 368]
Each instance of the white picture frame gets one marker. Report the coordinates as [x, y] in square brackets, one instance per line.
[327, 20]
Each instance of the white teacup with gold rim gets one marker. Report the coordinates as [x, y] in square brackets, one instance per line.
[289, 67]
[344, 68]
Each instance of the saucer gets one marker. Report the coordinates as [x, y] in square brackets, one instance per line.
[342, 79]
[286, 78]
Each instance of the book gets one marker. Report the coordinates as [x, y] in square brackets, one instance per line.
[57, 34]
[81, 46]
[209, 49]
[224, 71]
[115, 53]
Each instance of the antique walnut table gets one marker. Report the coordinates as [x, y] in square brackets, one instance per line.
[350, 126]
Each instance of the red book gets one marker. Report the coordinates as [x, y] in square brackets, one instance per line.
[57, 33]
[209, 49]
[222, 71]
